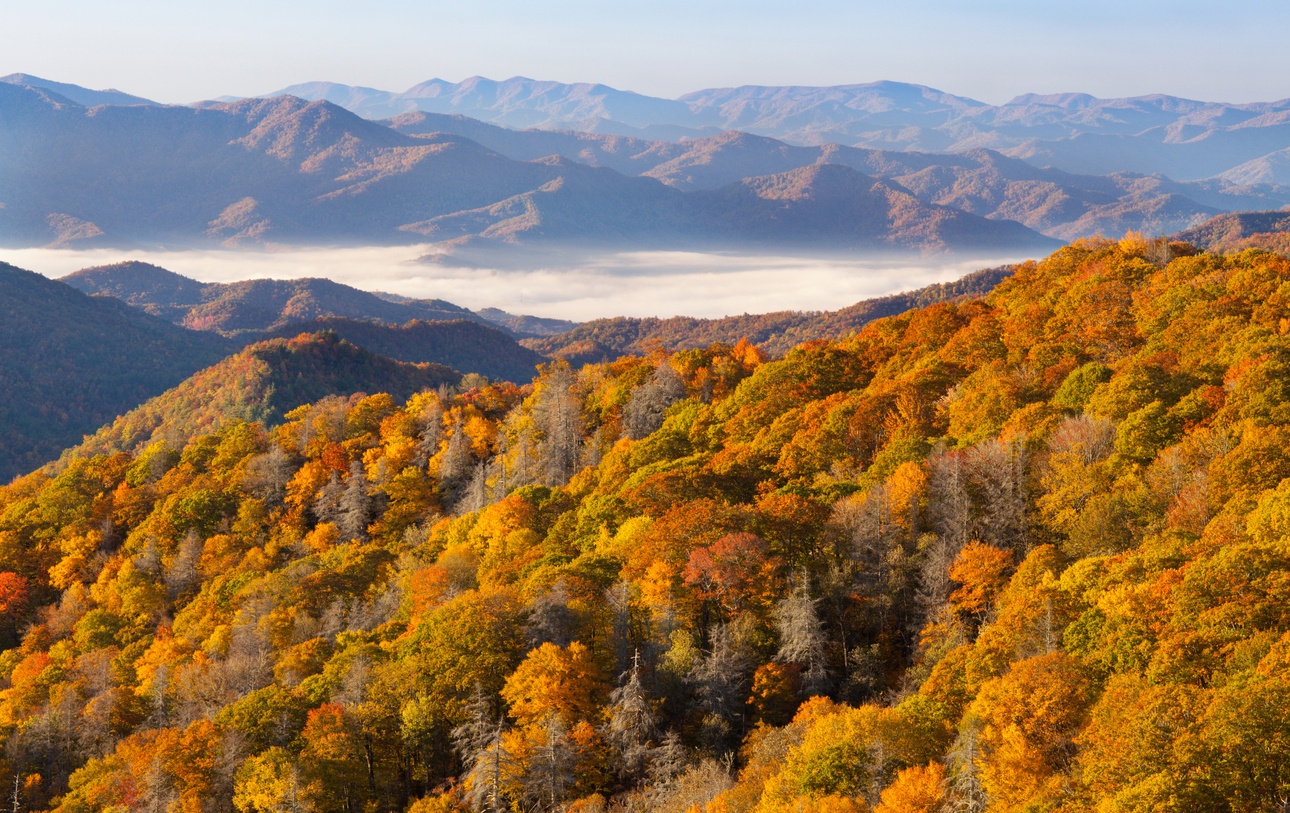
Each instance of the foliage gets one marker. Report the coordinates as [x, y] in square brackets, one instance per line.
[915, 569]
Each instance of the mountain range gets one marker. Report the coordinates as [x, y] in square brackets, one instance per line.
[1076, 132]
[77, 171]
[285, 170]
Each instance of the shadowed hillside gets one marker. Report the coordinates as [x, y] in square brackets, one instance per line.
[70, 362]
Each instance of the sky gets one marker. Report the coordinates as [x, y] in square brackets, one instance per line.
[990, 50]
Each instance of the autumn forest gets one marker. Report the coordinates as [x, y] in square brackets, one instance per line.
[1028, 551]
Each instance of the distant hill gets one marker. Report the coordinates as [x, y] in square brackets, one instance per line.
[1241, 230]
[467, 347]
[70, 362]
[251, 306]
[607, 339]
[262, 383]
[522, 325]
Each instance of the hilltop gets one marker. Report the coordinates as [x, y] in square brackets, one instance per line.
[250, 306]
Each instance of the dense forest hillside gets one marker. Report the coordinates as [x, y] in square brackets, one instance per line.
[69, 363]
[1024, 552]
[774, 333]
[467, 347]
[251, 306]
[262, 383]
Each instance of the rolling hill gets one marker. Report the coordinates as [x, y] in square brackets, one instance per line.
[465, 346]
[1240, 230]
[261, 383]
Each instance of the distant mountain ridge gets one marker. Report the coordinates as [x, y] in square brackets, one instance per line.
[288, 171]
[75, 93]
[1184, 139]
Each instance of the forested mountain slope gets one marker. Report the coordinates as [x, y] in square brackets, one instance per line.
[1026, 552]
[69, 363]
[1241, 230]
[775, 333]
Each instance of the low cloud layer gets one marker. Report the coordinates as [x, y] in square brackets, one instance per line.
[572, 286]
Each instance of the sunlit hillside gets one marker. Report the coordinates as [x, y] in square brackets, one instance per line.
[1027, 552]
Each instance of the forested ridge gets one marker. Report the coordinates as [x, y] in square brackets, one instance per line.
[1025, 552]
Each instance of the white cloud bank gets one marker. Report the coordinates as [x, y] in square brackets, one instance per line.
[580, 287]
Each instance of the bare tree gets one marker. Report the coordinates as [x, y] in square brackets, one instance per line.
[181, 575]
[561, 413]
[550, 619]
[643, 414]
[551, 771]
[354, 510]
[632, 725]
[478, 741]
[801, 637]
[999, 473]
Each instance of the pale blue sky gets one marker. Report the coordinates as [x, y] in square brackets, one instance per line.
[988, 49]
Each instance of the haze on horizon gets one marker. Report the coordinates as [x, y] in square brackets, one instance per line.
[991, 50]
[566, 286]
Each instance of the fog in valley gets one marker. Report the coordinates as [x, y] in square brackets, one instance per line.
[571, 285]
